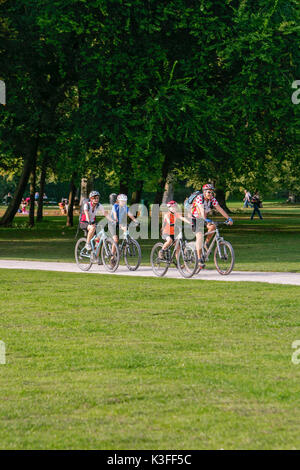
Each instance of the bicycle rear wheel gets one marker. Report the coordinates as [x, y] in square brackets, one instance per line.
[82, 256]
[132, 255]
[160, 266]
[110, 260]
[187, 263]
[224, 258]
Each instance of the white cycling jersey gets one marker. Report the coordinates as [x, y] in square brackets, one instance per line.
[99, 209]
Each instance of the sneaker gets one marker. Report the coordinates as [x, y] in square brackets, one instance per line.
[161, 254]
[88, 247]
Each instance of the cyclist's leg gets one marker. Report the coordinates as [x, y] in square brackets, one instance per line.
[169, 240]
[197, 228]
[210, 228]
[115, 239]
[91, 232]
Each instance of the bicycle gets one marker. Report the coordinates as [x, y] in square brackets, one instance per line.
[187, 262]
[223, 253]
[101, 245]
[131, 251]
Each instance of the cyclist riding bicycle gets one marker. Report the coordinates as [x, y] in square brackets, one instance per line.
[168, 227]
[202, 205]
[88, 217]
[119, 214]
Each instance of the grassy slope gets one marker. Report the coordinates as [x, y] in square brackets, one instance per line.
[163, 364]
[268, 245]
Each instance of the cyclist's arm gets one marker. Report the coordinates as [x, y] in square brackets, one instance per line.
[108, 216]
[87, 217]
[164, 223]
[114, 215]
[184, 219]
[131, 216]
[223, 213]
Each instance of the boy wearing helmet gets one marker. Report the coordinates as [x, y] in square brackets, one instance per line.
[202, 205]
[168, 226]
[119, 214]
[88, 217]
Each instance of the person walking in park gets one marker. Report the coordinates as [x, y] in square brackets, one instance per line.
[255, 200]
[247, 199]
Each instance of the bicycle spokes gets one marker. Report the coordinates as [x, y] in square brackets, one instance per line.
[224, 257]
[82, 256]
[187, 261]
[132, 255]
[158, 259]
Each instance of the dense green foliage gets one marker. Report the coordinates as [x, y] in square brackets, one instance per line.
[131, 91]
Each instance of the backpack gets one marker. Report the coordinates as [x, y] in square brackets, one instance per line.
[189, 200]
[84, 201]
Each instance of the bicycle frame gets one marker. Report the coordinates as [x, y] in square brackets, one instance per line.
[216, 239]
[176, 243]
[96, 250]
[126, 239]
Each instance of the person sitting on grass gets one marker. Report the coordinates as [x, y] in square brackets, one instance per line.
[168, 227]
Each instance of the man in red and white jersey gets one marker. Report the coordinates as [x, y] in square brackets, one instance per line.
[88, 216]
[202, 205]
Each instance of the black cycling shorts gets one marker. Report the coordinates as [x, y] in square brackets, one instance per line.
[84, 225]
[197, 225]
[166, 235]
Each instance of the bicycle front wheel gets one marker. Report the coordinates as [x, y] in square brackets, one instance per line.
[187, 262]
[132, 255]
[159, 265]
[82, 256]
[224, 257]
[109, 258]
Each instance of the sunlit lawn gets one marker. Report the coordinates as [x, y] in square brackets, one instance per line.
[268, 245]
[94, 363]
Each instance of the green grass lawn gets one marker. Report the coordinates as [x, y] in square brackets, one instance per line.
[268, 245]
[100, 362]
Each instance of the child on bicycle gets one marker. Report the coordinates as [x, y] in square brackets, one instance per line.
[119, 214]
[168, 227]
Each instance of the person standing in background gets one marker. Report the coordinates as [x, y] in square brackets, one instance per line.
[255, 200]
[247, 199]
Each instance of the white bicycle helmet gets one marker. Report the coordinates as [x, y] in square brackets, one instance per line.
[93, 194]
[122, 197]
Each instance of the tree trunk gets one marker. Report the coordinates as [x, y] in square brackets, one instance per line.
[39, 215]
[11, 211]
[124, 187]
[32, 193]
[85, 188]
[162, 181]
[169, 189]
[72, 193]
[220, 197]
[136, 195]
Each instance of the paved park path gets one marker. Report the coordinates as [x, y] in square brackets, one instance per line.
[144, 271]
